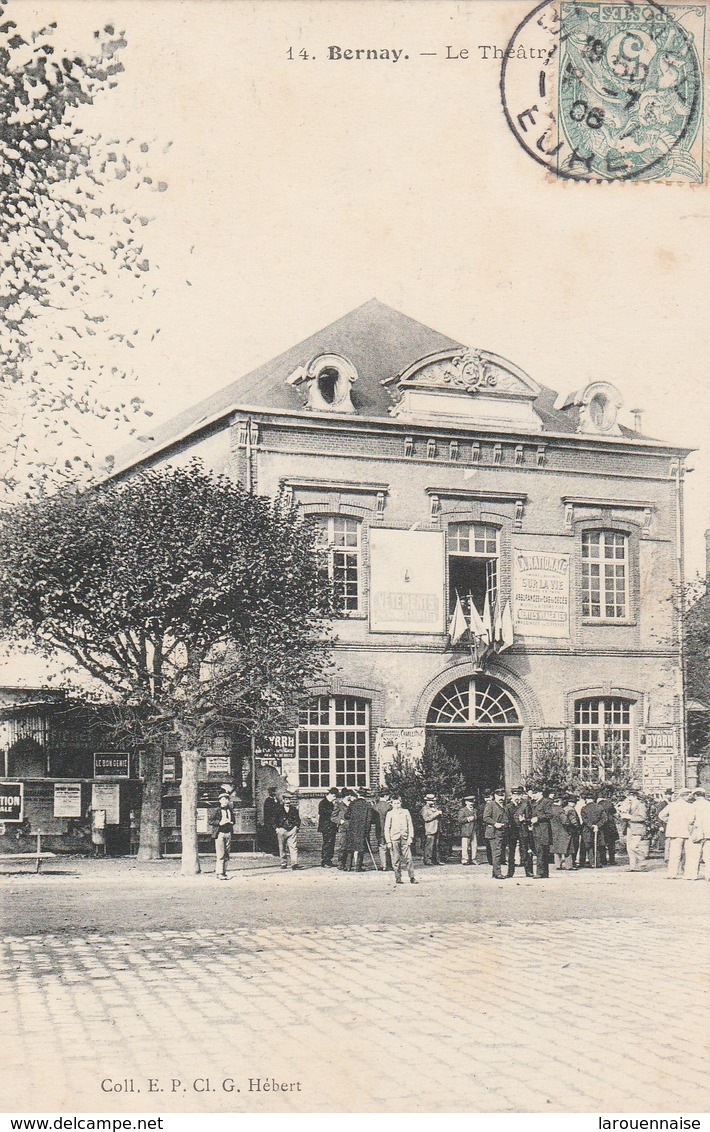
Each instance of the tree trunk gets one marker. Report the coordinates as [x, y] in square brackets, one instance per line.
[149, 843]
[188, 821]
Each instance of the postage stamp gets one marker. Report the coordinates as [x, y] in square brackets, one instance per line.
[616, 93]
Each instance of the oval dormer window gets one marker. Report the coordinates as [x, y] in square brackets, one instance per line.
[601, 411]
[599, 405]
[330, 380]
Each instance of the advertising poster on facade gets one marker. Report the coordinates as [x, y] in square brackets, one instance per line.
[107, 796]
[657, 746]
[67, 799]
[281, 746]
[218, 764]
[406, 581]
[11, 801]
[392, 741]
[541, 593]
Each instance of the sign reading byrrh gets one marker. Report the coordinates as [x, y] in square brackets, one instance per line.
[541, 587]
[406, 581]
[658, 746]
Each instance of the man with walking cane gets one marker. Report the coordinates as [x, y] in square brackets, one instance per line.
[592, 820]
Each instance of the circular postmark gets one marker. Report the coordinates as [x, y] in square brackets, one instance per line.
[610, 92]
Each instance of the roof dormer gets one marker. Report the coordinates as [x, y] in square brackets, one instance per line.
[327, 382]
[467, 386]
[597, 406]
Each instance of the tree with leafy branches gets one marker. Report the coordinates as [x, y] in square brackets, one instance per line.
[550, 770]
[434, 772]
[193, 605]
[71, 241]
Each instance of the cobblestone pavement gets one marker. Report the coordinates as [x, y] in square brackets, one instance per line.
[572, 1014]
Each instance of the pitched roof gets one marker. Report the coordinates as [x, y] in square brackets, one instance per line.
[379, 341]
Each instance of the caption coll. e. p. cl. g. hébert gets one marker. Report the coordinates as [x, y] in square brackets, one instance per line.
[268, 1084]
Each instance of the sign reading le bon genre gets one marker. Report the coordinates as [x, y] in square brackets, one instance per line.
[541, 587]
[406, 581]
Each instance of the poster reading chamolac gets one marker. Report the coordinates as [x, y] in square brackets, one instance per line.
[354, 537]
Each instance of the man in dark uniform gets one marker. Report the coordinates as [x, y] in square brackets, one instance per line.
[326, 828]
[381, 810]
[540, 814]
[608, 830]
[518, 833]
[593, 817]
[361, 817]
[487, 797]
[271, 806]
[495, 819]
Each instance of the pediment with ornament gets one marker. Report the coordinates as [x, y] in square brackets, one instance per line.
[465, 383]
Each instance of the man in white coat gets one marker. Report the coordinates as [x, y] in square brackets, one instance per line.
[633, 811]
[697, 847]
[679, 816]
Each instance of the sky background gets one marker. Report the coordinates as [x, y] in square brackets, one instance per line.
[298, 189]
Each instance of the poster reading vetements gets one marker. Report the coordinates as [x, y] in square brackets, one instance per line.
[541, 587]
[406, 581]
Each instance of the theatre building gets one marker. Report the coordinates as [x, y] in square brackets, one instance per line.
[445, 480]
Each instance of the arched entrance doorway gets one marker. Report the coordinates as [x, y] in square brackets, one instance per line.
[477, 720]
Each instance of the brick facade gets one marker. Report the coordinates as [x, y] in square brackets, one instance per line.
[541, 491]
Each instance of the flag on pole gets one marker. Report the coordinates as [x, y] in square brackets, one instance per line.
[458, 624]
[498, 625]
[477, 630]
[507, 628]
[487, 623]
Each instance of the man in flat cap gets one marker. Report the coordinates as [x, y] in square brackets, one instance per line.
[495, 820]
[468, 818]
[399, 835]
[697, 847]
[222, 823]
[518, 833]
[288, 821]
[431, 815]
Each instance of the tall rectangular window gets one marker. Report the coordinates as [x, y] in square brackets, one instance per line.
[340, 536]
[473, 563]
[602, 736]
[605, 575]
[334, 742]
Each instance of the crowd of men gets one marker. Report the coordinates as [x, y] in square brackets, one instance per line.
[527, 830]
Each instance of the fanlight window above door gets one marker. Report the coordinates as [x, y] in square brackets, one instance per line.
[473, 702]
